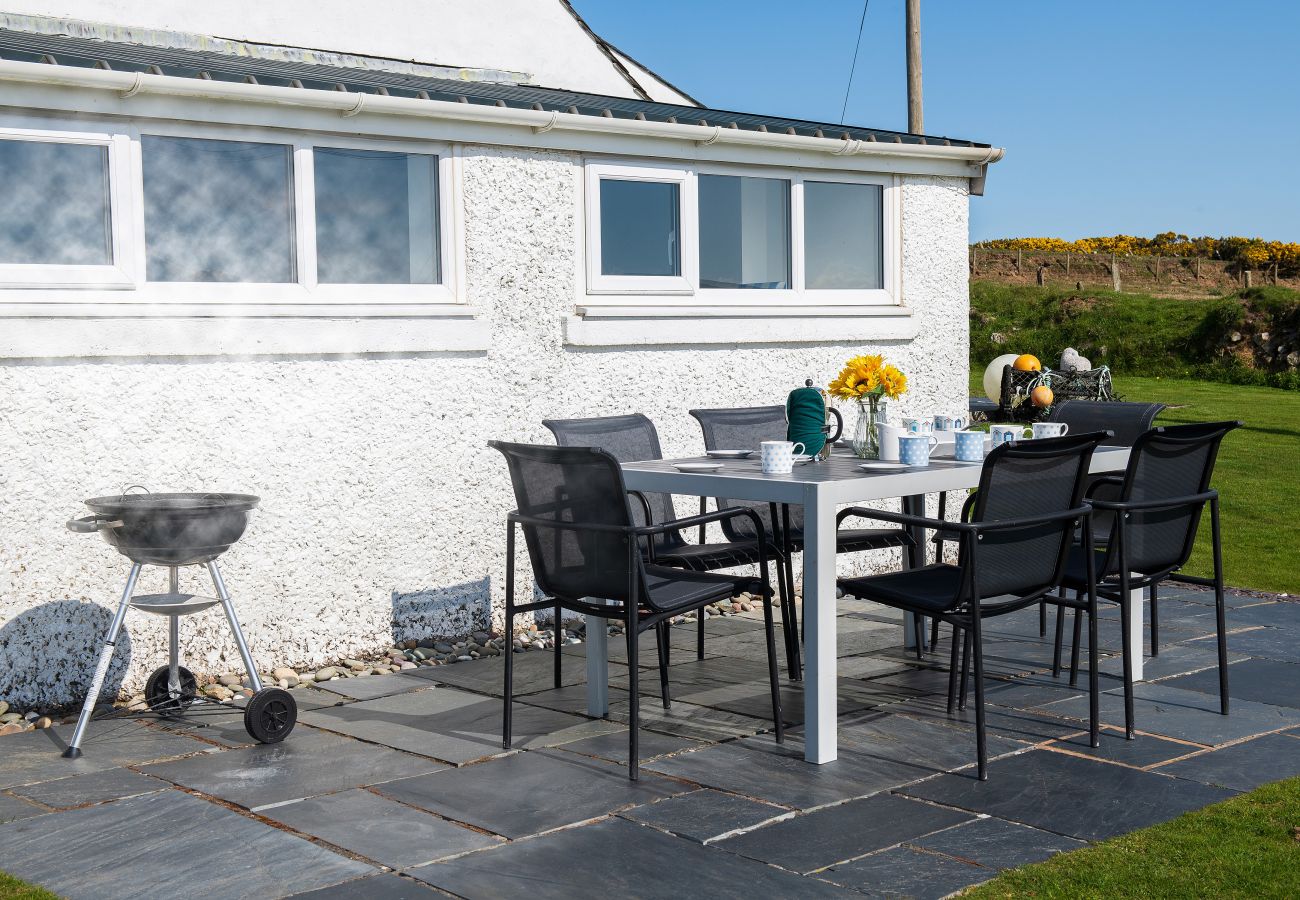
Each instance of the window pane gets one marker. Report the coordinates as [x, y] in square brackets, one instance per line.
[842, 232]
[639, 232]
[217, 211]
[54, 204]
[744, 232]
[376, 217]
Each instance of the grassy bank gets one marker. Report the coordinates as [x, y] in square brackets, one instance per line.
[13, 889]
[1137, 334]
[1243, 847]
[1258, 474]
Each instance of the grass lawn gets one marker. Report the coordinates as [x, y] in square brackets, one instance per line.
[1258, 474]
[1248, 846]
[13, 889]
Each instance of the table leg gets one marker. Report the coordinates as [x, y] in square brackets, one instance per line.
[597, 666]
[1136, 645]
[913, 558]
[819, 677]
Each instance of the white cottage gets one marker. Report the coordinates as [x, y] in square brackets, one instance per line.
[321, 253]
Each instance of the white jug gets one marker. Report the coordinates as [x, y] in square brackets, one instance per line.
[887, 435]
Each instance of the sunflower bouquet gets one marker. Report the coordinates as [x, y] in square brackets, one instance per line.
[864, 380]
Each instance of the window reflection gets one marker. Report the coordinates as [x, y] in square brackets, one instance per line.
[54, 204]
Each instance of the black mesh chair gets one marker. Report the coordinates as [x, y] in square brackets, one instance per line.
[633, 438]
[744, 429]
[584, 545]
[1014, 548]
[1153, 511]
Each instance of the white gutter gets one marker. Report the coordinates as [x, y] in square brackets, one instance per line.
[347, 104]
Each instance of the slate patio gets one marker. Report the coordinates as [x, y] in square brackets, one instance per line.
[396, 786]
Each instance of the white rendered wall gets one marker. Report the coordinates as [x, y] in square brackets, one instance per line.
[538, 37]
[382, 513]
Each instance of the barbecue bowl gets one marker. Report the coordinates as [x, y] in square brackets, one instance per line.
[176, 529]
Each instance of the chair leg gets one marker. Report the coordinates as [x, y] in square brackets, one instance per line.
[634, 701]
[699, 634]
[1220, 619]
[774, 676]
[788, 625]
[558, 629]
[1056, 646]
[918, 632]
[1094, 696]
[661, 635]
[934, 632]
[952, 670]
[1074, 649]
[510, 635]
[1126, 618]
[981, 740]
[1155, 623]
[1042, 621]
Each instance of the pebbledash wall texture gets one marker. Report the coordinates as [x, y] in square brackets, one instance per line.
[382, 511]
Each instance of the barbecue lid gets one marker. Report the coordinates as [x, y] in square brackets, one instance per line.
[172, 502]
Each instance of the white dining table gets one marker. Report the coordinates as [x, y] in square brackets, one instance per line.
[821, 488]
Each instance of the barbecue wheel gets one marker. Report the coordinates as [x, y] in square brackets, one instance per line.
[270, 715]
[159, 698]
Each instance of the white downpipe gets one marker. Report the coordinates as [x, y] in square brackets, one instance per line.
[347, 103]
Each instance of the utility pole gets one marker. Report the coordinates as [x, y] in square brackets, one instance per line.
[915, 119]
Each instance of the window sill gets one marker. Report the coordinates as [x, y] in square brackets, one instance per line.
[613, 326]
[48, 338]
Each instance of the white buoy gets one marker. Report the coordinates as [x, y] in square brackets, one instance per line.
[993, 376]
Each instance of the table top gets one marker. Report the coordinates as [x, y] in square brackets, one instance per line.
[839, 479]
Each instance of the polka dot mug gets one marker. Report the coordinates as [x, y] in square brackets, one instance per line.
[914, 450]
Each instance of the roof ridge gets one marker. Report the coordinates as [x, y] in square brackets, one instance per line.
[608, 53]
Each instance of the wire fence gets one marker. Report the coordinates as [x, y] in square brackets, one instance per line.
[1121, 272]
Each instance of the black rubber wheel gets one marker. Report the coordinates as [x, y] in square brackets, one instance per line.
[270, 715]
[159, 698]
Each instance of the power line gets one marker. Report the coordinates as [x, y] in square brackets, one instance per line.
[852, 68]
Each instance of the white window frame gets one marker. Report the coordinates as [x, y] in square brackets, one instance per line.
[123, 288]
[686, 291]
[120, 273]
[688, 242]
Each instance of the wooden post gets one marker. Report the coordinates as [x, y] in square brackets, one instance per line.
[1198, 268]
[912, 22]
[1157, 269]
[1115, 282]
[1067, 263]
[1042, 275]
[1246, 279]
[1019, 260]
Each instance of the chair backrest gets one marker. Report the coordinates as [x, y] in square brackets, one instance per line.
[1022, 480]
[744, 428]
[572, 484]
[627, 438]
[1167, 462]
[1129, 421]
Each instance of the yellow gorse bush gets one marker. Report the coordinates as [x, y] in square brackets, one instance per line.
[1249, 252]
[868, 376]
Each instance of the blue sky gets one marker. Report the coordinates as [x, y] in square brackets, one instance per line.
[1118, 117]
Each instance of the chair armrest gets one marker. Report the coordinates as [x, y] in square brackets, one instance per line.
[730, 512]
[863, 512]
[598, 527]
[1104, 483]
[1159, 503]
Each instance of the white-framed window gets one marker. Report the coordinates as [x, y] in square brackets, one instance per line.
[740, 236]
[174, 215]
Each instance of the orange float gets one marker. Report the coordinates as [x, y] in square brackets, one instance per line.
[1042, 396]
[1027, 362]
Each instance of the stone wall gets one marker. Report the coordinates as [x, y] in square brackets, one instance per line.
[382, 515]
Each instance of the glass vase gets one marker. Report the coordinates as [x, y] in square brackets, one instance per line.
[866, 439]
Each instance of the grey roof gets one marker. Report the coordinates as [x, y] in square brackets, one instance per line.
[64, 50]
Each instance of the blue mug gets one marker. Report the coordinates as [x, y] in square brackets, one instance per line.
[970, 446]
[914, 449]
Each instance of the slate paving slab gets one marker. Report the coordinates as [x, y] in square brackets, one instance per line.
[842, 832]
[13, 808]
[903, 872]
[1176, 659]
[533, 671]
[570, 699]
[613, 746]
[35, 756]
[379, 829]
[371, 686]
[1270, 643]
[306, 764]
[153, 846]
[705, 816]
[777, 773]
[1081, 798]
[997, 844]
[867, 666]
[1259, 680]
[1026, 726]
[700, 723]
[1144, 751]
[615, 858]
[93, 787]
[1244, 766]
[376, 887]
[1283, 614]
[681, 648]
[450, 725]
[1184, 715]
[528, 793]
